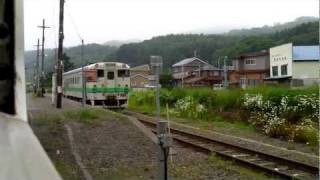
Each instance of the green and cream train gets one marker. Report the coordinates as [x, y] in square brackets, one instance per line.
[106, 83]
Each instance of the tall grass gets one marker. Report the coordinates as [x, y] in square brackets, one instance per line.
[205, 103]
[225, 99]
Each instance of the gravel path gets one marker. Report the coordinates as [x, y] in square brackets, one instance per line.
[75, 153]
[115, 149]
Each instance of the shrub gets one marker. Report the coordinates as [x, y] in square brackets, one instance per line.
[166, 97]
[178, 93]
[276, 111]
[305, 131]
[276, 115]
[227, 99]
[189, 108]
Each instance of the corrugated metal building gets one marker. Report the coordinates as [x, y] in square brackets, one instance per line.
[295, 65]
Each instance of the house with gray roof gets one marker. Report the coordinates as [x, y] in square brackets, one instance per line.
[182, 69]
[196, 72]
[295, 65]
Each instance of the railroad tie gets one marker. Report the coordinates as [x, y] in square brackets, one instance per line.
[227, 152]
[253, 159]
[266, 164]
[281, 168]
[240, 155]
[297, 174]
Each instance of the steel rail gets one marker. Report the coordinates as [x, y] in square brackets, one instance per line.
[274, 165]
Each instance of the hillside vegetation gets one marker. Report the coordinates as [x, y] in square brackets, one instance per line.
[209, 47]
[272, 29]
[176, 47]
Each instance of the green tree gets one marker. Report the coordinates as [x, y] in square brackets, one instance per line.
[67, 64]
[166, 80]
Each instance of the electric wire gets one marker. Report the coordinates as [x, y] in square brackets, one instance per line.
[74, 24]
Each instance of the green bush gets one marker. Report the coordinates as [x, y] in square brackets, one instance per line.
[306, 131]
[272, 110]
[227, 99]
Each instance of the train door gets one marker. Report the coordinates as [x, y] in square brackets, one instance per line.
[111, 84]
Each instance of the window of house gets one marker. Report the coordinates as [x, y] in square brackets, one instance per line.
[100, 73]
[284, 69]
[250, 62]
[110, 75]
[275, 70]
[123, 73]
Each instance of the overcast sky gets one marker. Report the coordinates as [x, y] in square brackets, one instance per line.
[98, 21]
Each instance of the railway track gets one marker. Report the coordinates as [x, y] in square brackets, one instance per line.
[274, 165]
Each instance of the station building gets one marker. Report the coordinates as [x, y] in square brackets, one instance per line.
[294, 65]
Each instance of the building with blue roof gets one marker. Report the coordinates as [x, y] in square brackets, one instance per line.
[305, 53]
[296, 65]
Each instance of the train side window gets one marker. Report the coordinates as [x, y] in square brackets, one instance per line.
[110, 75]
[100, 73]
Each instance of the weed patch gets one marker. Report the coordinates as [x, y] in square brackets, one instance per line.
[87, 116]
[214, 160]
[274, 111]
[51, 132]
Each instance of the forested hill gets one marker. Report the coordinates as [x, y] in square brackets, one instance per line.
[272, 29]
[173, 48]
[209, 47]
[92, 53]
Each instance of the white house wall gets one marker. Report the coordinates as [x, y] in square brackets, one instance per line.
[281, 55]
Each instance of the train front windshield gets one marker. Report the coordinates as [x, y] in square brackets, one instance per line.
[123, 73]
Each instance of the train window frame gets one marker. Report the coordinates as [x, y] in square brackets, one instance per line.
[100, 73]
[110, 75]
[125, 74]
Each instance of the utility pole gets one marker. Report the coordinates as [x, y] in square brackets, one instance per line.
[195, 53]
[225, 72]
[199, 65]
[60, 56]
[164, 139]
[42, 55]
[84, 90]
[34, 79]
[37, 70]
[182, 80]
